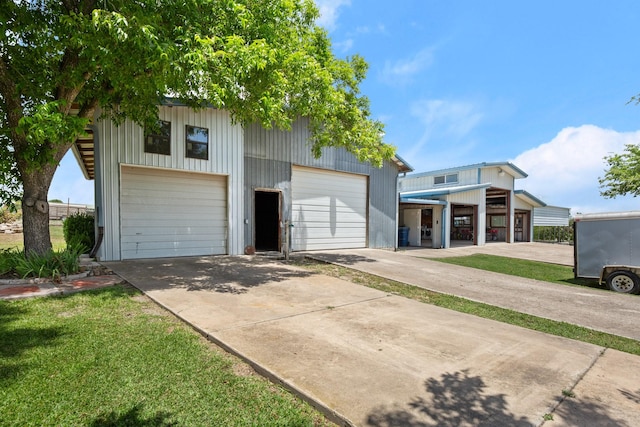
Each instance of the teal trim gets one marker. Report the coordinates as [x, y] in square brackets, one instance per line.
[530, 197]
[508, 166]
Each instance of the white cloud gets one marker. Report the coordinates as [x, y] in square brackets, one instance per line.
[403, 71]
[329, 12]
[343, 46]
[445, 138]
[565, 170]
[455, 118]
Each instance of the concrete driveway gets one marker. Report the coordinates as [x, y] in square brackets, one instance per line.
[367, 358]
[595, 308]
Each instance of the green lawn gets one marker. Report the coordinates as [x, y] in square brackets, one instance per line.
[113, 358]
[554, 273]
[15, 241]
[463, 305]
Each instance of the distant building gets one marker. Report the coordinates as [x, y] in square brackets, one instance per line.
[63, 210]
[472, 205]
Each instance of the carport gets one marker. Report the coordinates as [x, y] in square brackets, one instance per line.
[426, 221]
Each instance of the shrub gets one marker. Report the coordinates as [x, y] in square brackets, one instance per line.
[9, 215]
[53, 264]
[78, 229]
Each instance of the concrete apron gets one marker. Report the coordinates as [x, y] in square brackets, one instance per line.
[368, 358]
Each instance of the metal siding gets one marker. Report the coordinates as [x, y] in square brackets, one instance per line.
[124, 145]
[551, 216]
[492, 175]
[415, 184]
[270, 155]
[467, 177]
[383, 204]
[267, 166]
[521, 204]
[301, 148]
[265, 174]
[475, 197]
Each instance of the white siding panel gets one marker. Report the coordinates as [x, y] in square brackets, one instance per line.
[474, 197]
[493, 176]
[329, 210]
[122, 146]
[551, 216]
[171, 213]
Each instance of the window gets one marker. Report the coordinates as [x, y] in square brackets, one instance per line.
[445, 179]
[461, 221]
[159, 143]
[197, 140]
[498, 221]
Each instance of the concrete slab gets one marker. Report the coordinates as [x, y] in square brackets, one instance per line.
[598, 309]
[546, 252]
[608, 396]
[365, 357]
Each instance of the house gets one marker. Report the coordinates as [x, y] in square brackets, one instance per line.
[205, 186]
[471, 205]
[59, 211]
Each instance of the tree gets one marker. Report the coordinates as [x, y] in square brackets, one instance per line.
[622, 176]
[64, 61]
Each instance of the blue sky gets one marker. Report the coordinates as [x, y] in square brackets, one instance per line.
[542, 84]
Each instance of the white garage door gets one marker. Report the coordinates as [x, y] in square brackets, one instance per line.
[172, 213]
[329, 210]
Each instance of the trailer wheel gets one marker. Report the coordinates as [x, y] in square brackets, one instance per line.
[623, 281]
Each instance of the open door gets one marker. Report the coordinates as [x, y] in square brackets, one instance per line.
[267, 220]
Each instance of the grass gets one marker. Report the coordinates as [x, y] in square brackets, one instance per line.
[547, 272]
[111, 357]
[486, 311]
[15, 240]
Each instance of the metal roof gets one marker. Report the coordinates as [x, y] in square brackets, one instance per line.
[434, 192]
[607, 215]
[529, 198]
[508, 167]
[402, 164]
[422, 201]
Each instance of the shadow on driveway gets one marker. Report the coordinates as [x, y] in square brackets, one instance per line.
[223, 274]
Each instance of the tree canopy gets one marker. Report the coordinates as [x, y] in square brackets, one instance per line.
[622, 176]
[264, 61]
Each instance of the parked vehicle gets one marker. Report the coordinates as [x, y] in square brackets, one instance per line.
[607, 248]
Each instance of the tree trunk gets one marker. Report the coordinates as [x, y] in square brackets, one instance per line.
[35, 210]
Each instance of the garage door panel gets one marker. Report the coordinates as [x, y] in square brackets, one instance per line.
[158, 230]
[329, 209]
[324, 233]
[160, 238]
[187, 193]
[169, 220]
[155, 251]
[316, 216]
[172, 213]
[329, 243]
[325, 205]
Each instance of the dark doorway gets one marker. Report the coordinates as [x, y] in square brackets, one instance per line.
[267, 220]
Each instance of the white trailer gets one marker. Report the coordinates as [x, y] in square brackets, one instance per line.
[607, 248]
